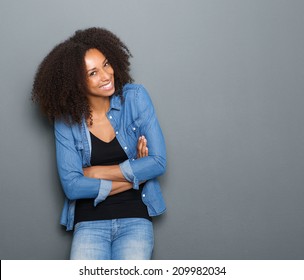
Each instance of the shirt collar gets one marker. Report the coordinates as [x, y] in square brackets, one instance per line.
[115, 102]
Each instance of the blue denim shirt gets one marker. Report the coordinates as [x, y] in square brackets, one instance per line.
[130, 118]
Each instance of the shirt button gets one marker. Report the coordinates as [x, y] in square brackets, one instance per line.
[116, 132]
[110, 117]
[126, 148]
[134, 128]
[143, 195]
[133, 159]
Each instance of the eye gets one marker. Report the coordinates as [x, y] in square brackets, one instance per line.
[93, 73]
[107, 64]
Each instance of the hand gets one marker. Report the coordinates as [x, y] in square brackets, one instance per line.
[142, 149]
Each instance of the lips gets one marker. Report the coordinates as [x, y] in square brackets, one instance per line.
[107, 86]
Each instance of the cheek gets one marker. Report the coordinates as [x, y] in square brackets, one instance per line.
[91, 82]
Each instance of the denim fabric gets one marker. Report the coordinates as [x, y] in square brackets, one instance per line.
[118, 239]
[130, 118]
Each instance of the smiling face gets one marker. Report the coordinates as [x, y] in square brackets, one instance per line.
[99, 73]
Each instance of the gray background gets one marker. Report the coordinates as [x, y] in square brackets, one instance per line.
[226, 78]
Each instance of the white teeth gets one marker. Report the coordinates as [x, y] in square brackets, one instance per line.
[107, 86]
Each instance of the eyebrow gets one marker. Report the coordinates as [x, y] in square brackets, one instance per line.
[95, 67]
[91, 69]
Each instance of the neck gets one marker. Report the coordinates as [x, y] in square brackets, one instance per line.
[99, 107]
[99, 104]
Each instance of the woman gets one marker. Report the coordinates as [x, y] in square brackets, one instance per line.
[103, 124]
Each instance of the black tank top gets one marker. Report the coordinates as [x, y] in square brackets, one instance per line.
[126, 204]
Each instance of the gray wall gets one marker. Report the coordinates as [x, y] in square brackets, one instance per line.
[226, 78]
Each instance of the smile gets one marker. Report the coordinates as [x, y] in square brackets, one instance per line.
[107, 86]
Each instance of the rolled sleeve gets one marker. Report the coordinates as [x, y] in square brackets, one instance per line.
[104, 190]
[126, 170]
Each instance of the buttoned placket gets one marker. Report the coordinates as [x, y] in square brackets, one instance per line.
[121, 142]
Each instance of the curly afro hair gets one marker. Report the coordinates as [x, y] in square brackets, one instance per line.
[60, 86]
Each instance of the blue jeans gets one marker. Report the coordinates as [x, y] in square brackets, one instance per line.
[118, 239]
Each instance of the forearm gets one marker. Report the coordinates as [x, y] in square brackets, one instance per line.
[118, 187]
[143, 169]
[111, 172]
[114, 172]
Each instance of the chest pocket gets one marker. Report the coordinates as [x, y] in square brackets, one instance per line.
[78, 145]
[133, 131]
[80, 150]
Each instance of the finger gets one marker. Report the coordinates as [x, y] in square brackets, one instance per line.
[146, 152]
[139, 144]
[139, 147]
[144, 146]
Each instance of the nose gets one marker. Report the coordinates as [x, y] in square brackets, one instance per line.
[104, 75]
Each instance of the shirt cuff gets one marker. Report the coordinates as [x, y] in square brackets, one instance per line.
[127, 171]
[104, 190]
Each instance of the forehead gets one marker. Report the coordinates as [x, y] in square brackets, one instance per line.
[93, 57]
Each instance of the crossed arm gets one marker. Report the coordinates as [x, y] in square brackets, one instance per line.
[113, 172]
